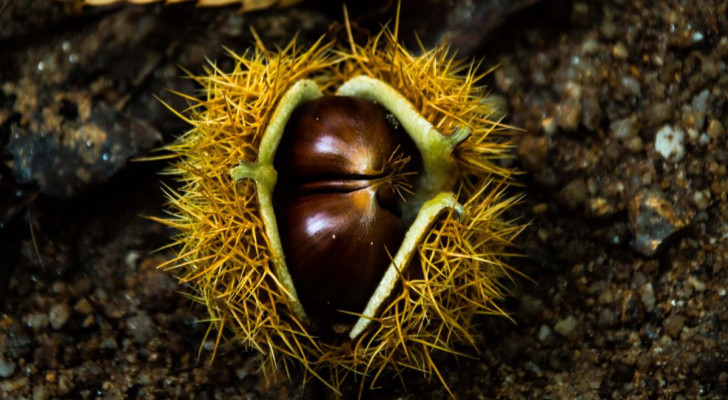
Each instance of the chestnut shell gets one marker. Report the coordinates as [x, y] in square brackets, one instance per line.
[342, 167]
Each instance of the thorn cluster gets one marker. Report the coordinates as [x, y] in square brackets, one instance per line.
[225, 256]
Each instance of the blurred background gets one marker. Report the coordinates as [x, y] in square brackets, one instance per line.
[624, 151]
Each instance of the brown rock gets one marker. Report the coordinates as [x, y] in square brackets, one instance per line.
[673, 325]
[533, 152]
[653, 220]
[574, 193]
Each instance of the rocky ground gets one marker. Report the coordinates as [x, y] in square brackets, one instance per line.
[623, 106]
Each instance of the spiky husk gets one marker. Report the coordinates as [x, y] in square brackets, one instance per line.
[224, 252]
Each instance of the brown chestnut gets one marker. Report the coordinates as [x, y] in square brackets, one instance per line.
[343, 167]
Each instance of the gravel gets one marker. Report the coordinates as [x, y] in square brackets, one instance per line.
[7, 368]
[58, 315]
[625, 160]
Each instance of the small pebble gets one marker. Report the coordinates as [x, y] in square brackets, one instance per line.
[540, 208]
[241, 373]
[141, 327]
[590, 46]
[715, 129]
[533, 368]
[632, 310]
[565, 326]
[653, 220]
[530, 305]
[659, 113]
[607, 318]
[58, 315]
[65, 385]
[691, 359]
[632, 86]
[574, 194]
[80, 287]
[692, 133]
[646, 179]
[533, 152]
[673, 325]
[544, 333]
[59, 287]
[697, 284]
[647, 296]
[38, 321]
[625, 128]
[568, 115]
[619, 51]
[700, 101]
[7, 368]
[39, 392]
[644, 361]
[634, 144]
[701, 199]
[669, 143]
[549, 126]
[109, 344]
[132, 259]
[209, 345]
[144, 379]
[600, 207]
[83, 306]
[710, 68]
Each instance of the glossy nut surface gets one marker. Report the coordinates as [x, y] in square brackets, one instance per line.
[343, 170]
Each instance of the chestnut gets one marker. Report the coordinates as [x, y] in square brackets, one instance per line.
[344, 169]
[342, 209]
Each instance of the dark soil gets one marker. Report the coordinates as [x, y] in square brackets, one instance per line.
[624, 110]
